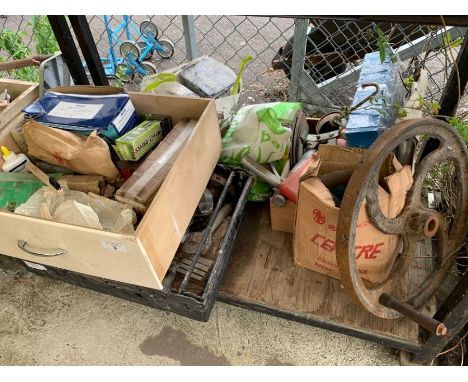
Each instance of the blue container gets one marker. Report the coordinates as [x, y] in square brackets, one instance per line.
[371, 119]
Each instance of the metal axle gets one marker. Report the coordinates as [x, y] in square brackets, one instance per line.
[408, 311]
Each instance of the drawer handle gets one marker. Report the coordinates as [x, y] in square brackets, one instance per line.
[40, 252]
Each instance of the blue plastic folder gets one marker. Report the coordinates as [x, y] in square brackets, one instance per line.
[112, 115]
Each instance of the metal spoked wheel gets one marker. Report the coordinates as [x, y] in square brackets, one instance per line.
[415, 222]
[166, 49]
[148, 67]
[143, 47]
[147, 27]
[130, 47]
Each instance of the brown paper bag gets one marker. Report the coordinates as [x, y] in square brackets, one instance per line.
[85, 155]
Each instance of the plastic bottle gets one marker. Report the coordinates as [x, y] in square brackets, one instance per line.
[13, 162]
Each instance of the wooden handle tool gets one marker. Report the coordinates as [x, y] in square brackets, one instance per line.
[44, 178]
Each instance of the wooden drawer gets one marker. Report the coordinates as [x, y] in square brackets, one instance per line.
[84, 250]
[22, 92]
[143, 258]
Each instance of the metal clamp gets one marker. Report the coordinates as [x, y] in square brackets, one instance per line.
[23, 245]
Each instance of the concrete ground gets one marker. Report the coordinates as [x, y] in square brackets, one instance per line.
[48, 322]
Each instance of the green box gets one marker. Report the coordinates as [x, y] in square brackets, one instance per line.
[138, 141]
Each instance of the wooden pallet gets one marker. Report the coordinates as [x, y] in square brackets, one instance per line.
[262, 276]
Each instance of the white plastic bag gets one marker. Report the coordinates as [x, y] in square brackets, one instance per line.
[257, 131]
[78, 208]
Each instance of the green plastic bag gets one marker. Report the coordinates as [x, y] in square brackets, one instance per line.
[258, 131]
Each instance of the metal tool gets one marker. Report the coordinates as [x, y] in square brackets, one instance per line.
[415, 222]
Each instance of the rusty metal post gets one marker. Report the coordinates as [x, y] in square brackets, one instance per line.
[408, 311]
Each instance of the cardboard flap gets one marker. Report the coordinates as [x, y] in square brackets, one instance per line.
[336, 158]
[398, 183]
[312, 170]
[316, 187]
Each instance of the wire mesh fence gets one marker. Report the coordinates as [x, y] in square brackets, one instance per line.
[335, 49]
[21, 37]
[333, 52]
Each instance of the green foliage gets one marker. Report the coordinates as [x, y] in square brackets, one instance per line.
[402, 113]
[408, 81]
[383, 43]
[461, 126]
[432, 107]
[449, 43]
[12, 42]
[43, 35]
[44, 41]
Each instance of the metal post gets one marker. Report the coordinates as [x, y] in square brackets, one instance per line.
[189, 36]
[298, 56]
[449, 98]
[68, 48]
[88, 48]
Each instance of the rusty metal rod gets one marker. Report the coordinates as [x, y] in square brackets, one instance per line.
[30, 61]
[408, 311]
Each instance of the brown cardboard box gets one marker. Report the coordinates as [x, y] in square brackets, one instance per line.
[282, 218]
[317, 216]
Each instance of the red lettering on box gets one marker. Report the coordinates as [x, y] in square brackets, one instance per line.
[318, 216]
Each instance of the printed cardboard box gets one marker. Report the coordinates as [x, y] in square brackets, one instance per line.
[317, 216]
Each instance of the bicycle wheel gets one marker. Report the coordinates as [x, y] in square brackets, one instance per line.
[165, 49]
[130, 47]
[147, 26]
[148, 67]
[122, 73]
[143, 46]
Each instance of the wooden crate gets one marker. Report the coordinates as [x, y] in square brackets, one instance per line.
[22, 94]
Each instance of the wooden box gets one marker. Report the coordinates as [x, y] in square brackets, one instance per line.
[143, 258]
[22, 94]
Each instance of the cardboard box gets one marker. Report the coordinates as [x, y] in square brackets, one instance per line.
[317, 216]
[282, 218]
[142, 258]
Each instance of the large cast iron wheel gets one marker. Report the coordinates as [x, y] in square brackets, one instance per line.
[413, 223]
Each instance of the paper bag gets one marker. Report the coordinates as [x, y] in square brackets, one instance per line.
[85, 155]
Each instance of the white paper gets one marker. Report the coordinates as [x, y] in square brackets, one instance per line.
[35, 266]
[122, 118]
[75, 110]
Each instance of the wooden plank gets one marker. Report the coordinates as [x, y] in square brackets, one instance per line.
[169, 215]
[23, 93]
[262, 273]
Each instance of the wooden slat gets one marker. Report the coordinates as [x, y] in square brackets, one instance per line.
[262, 272]
[23, 93]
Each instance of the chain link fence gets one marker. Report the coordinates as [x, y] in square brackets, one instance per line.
[334, 50]
[329, 63]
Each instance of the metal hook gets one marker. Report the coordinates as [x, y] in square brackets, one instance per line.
[376, 91]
